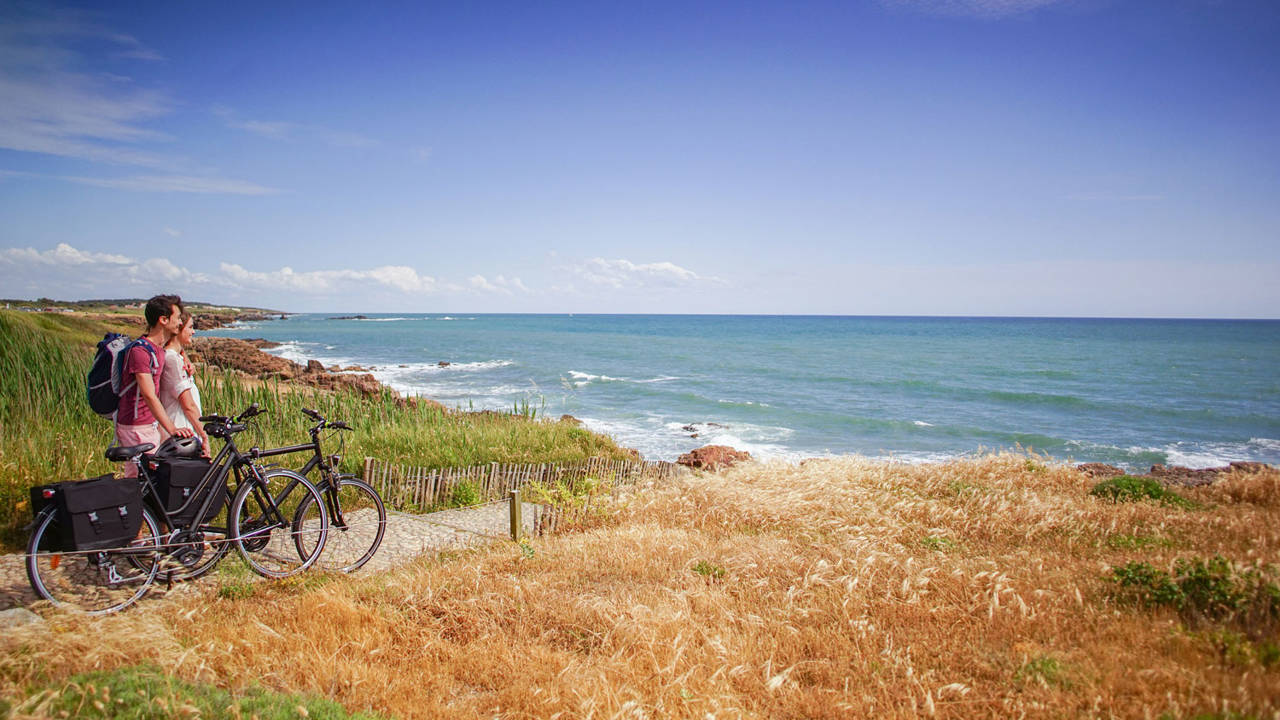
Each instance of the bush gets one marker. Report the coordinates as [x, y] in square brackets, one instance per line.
[1212, 589]
[1127, 488]
[465, 494]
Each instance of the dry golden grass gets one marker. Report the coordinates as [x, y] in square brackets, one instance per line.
[839, 588]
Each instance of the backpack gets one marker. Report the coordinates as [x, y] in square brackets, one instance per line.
[106, 381]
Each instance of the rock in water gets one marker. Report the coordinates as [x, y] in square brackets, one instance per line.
[1100, 470]
[713, 457]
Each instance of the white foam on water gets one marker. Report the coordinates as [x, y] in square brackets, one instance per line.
[582, 379]
[300, 352]
[390, 319]
[921, 457]
[921, 423]
[723, 401]
[1205, 455]
[1194, 455]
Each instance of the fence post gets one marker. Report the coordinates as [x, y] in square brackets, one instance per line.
[517, 523]
[368, 470]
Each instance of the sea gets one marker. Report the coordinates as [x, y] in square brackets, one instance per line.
[1132, 393]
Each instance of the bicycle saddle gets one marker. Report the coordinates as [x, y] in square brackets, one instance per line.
[118, 454]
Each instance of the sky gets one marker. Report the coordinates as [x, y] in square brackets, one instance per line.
[1103, 158]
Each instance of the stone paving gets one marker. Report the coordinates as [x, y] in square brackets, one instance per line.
[406, 537]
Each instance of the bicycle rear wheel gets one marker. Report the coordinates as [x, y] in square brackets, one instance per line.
[356, 525]
[280, 523]
[92, 582]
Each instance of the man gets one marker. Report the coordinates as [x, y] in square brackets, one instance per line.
[141, 417]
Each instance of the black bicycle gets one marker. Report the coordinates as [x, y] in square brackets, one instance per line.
[357, 516]
[278, 524]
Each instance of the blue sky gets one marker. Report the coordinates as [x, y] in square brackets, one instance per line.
[949, 157]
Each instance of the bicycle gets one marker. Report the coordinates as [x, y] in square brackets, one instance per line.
[357, 515]
[277, 533]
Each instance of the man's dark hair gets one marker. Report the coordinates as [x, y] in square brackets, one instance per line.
[160, 306]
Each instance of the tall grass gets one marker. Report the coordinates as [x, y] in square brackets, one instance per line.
[765, 591]
[48, 433]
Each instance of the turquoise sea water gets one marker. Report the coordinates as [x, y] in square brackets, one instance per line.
[1128, 392]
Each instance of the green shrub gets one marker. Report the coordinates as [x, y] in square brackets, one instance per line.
[1127, 488]
[148, 692]
[708, 570]
[465, 494]
[939, 542]
[1213, 589]
[1042, 670]
[1122, 541]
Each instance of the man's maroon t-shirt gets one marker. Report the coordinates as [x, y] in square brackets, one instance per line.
[133, 409]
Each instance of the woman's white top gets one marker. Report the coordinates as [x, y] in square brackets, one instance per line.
[175, 381]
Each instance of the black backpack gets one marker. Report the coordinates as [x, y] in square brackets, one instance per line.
[106, 381]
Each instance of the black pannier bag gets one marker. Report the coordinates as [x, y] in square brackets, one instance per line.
[94, 514]
[176, 483]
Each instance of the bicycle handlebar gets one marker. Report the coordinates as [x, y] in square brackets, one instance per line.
[323, 423]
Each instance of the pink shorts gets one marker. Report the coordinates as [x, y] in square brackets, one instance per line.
[136, 435]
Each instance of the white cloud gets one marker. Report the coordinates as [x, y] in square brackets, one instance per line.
[499, 285]
[623, 273]
[973, 8]
[178, 183]
[284, 130]
[398, 277]
[265, 129]
[63, 255]
[171, 232]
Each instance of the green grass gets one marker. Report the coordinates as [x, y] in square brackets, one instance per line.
[1127, 488]
[48, 433]
[147, 692]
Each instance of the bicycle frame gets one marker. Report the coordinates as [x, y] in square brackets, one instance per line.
[328, 490]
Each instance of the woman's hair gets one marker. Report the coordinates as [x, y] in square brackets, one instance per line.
[186, 318]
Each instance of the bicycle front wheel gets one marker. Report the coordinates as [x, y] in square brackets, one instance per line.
[357, 522]
[93, 582]
[279, 523]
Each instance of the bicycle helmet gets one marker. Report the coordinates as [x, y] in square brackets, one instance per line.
[178, 447]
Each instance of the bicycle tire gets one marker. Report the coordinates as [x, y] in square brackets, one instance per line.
[95, 583]
[271, 547]
[354, 542]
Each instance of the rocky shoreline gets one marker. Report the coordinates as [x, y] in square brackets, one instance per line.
[1174, 474]
[246, 357]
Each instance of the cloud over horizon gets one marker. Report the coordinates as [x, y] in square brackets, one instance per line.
[622, 273]
[67, 271]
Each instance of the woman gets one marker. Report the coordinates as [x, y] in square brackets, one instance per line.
[178, 391]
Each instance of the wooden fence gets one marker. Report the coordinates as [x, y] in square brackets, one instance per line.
[413, 488]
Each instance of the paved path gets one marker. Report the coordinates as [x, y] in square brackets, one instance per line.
[406, 537]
